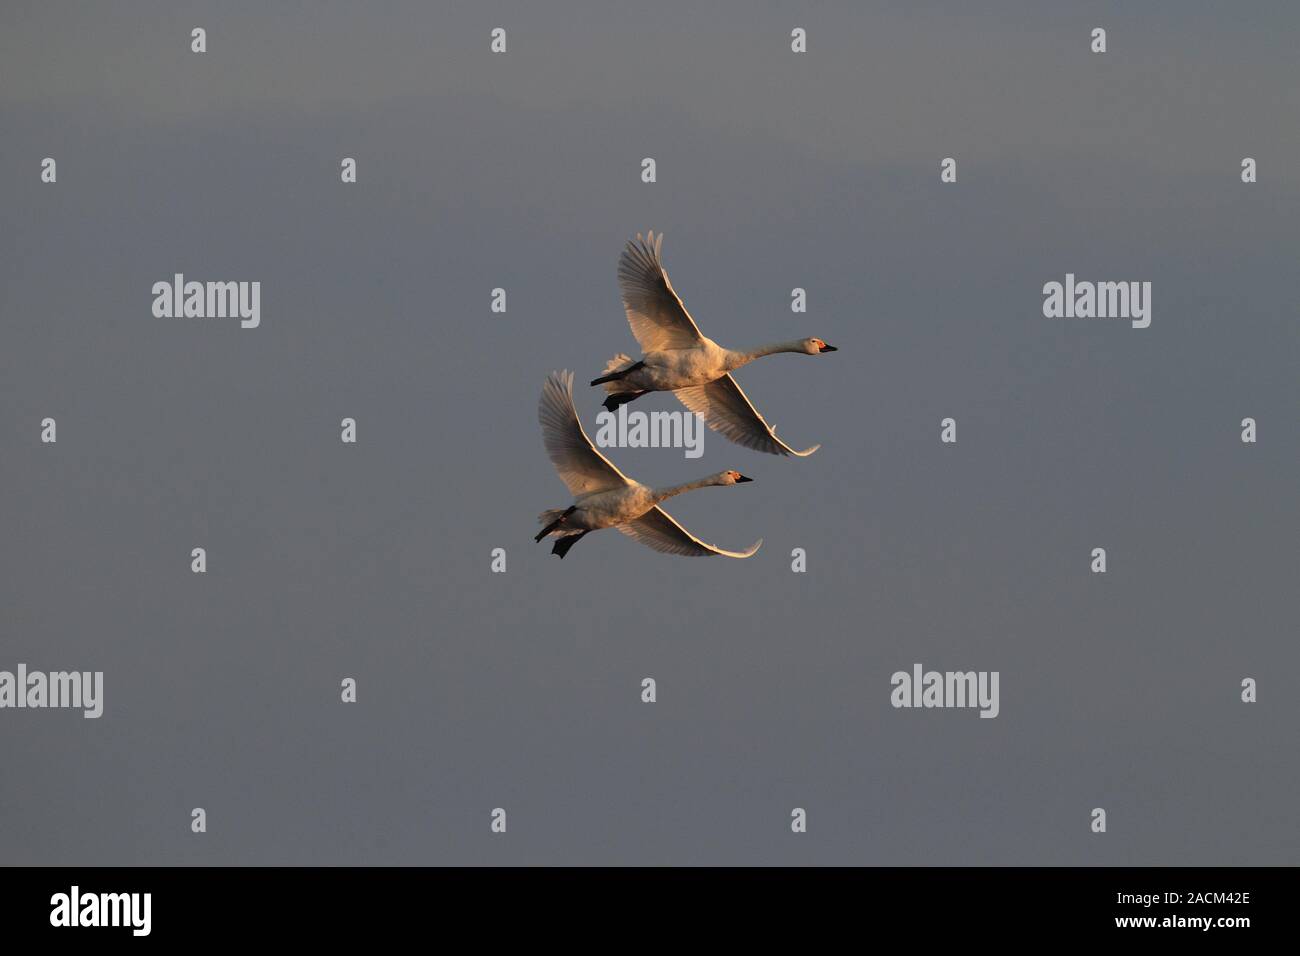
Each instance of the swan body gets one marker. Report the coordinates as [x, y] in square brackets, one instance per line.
[677, 357]
[667, 370]
[604, 497]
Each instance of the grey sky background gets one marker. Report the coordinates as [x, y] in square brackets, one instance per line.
[521, 690]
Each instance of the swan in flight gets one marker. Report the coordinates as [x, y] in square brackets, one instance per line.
[679, 358]
[604, 497]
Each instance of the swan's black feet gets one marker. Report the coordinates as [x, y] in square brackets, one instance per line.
[620, 398]
[563, 545]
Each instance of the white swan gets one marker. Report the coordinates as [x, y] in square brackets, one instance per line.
[603, 496]
[680, 359]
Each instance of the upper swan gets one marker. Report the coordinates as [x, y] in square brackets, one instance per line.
[678, 358]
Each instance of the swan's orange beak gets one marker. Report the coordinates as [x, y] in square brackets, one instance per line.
[740, 478]
[827, 348]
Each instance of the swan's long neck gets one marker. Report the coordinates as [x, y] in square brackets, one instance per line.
[738, 358]
[663, 494]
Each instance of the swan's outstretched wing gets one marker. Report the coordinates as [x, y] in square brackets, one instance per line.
[726, 409]
[658, 319]
[580, 465]
[657, 529]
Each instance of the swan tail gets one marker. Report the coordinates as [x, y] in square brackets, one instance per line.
[619, 363]
[551, 519]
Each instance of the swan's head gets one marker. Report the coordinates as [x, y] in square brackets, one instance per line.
[816, 346]
[729, 478]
